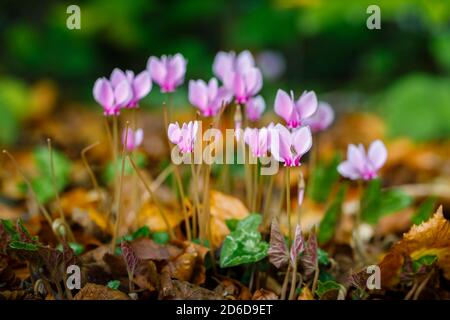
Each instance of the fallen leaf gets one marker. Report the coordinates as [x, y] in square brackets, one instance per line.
[93, 291]
[305, 294]
[430, 238]
[263, 294]
[224, 207]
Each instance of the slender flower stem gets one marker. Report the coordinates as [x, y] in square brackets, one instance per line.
[153, 196]
[196, 212]
[316, 278]
[288, 203]
[268, 200]
[55, 190]
[293, 281]
[255, 186]
[285, 283]
[115, 157]
[182, 196]
[118, 202]
[207, 215]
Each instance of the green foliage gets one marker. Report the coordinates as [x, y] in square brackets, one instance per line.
[326, 286]
[328, 224]
[424, 212]
[161, 237]
[416, 106]
[113, 284]
[76, 247]
[323, 257]
[377, 203]
[323, 177]
[425, 261]
[42, 184]
[142, 232]
[21, 245]
[108, 173]
[231, 224]
[244, 244]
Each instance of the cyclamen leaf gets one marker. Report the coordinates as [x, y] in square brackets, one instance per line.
[278, 252]
[113, 284]
[310, 256]
[131, 260]
[244, 245]
[299, 244]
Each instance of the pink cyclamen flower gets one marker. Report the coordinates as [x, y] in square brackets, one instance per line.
[112, 97]
[141, 84]
[295, 112]
[254, 108]
[228, 61]
[289, 147]
[360, 165]
[257, 140]
[133, 138]
[244, 84]
[183, 137]
[322, 118]
[208, 98]
[168, 71]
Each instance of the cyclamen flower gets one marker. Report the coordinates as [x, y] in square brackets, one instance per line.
[289, 147]
[141, 84]
[168, 71]
[321, 119]
[257, 140]
[244, 84]
[183, 137]
[254, 108]
[360, 165]
[112, 97]
[208, 98]
[228, 61]
[133, 138]
[295, 112]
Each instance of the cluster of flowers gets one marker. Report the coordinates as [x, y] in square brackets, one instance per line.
[241, 81]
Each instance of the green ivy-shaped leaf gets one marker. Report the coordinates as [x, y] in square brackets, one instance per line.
[244, 244]
[113, 284]
[424, 261]
[326, 286]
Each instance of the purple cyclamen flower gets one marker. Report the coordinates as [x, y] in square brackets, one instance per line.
[295, 112]
[257, 140]
[360, 165]
[183, 137]
[321, 119]
[289, 147]
[254, 108]
[112, 97]
[133, 138]
[244, 84]
[272, 64]
[168, 71]
[208, 98]
[228, 61]
[141, 84]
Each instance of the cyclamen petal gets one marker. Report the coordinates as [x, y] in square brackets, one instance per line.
[142, 85]
[377, 154]
[133, 138]
[225, 62]
[293, 112]
[183, 137]
[168, 71]
[322, 118]
[360, 165]
[254, 108]
[208, 98]
[103, 93]
[289, 147]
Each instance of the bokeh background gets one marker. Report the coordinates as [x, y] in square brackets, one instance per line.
[401, 72]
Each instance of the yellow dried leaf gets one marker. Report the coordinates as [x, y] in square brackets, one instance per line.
[224, 207]
[151, 217]
[430, 238]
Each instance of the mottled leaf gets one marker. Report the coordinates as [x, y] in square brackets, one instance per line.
[278, 252]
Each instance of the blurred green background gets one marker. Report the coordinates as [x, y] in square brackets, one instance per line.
[401, 71]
